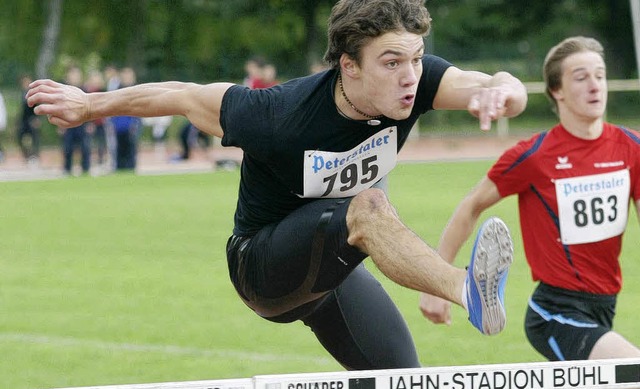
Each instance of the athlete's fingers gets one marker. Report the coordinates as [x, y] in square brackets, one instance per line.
[42, 88]
[488, 104]
[41, 95]
[44, 81]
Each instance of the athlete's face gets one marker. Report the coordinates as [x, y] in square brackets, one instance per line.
[389, 71]
[583, 93]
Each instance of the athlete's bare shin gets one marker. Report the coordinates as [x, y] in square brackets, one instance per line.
[401, 255]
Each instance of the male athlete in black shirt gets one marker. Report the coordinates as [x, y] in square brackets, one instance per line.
[308, 212]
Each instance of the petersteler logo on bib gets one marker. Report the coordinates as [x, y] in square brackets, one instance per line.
[593, 208]
[345, 174]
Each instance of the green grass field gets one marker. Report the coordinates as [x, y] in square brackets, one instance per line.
[122, 279]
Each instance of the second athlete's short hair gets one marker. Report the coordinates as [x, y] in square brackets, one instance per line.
[552, 67]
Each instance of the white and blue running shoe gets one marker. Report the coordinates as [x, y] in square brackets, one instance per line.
[487, 275]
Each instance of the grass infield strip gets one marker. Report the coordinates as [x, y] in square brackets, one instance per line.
[99, 275]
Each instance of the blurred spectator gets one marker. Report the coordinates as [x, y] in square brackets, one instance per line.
[112, 77]
[127, 77]
[76, 137]
[28, 134]
[191, 137]
[253, 69]
[3, 123]
[317, 67]
[159, 126]
[269, 76]
[259, 73]
[95, 83]
[126, 129]
[112, 80]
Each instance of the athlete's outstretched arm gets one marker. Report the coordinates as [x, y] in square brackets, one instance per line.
[486, 97]
[69, 106]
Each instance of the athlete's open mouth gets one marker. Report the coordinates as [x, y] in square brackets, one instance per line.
[408, 99]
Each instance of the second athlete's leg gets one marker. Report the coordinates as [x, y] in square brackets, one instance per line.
[614, 345]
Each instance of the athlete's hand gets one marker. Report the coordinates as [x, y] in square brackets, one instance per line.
[65, 105]
[488, 104]
[502, 96]
[436, 309]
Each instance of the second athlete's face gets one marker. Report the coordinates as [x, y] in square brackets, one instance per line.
[390, 68]
[584, 86]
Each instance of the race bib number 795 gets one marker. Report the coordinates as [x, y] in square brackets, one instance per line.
[344, 174]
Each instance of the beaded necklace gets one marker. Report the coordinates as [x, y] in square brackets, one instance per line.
[351, 104]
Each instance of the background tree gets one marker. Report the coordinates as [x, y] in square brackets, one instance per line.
[49, 38]
[206, 40]
[522, 31]
[209, 40]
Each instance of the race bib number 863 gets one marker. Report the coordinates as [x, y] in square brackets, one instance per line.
[345, 174]
[593, 208]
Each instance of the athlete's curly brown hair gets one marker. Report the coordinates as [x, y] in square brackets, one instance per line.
[353, 23]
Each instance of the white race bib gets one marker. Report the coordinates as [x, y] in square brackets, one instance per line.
[345, 174]
[593, 208]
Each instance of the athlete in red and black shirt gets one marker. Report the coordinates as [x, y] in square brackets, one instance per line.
[574, 184]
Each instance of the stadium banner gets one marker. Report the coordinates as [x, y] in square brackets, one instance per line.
[600, 374]
[623, 373]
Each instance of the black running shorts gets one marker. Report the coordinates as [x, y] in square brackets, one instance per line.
[286, 268]
[565, 325]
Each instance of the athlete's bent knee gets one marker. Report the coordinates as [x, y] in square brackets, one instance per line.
[366, 210]
[368, 203]
[370, 200]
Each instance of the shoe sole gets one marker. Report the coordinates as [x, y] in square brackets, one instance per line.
[493, 252]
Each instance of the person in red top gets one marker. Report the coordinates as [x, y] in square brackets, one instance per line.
[574, 185]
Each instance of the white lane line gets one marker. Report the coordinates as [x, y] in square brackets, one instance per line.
[160, 349]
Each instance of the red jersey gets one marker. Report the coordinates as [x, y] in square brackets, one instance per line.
[573, 199]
